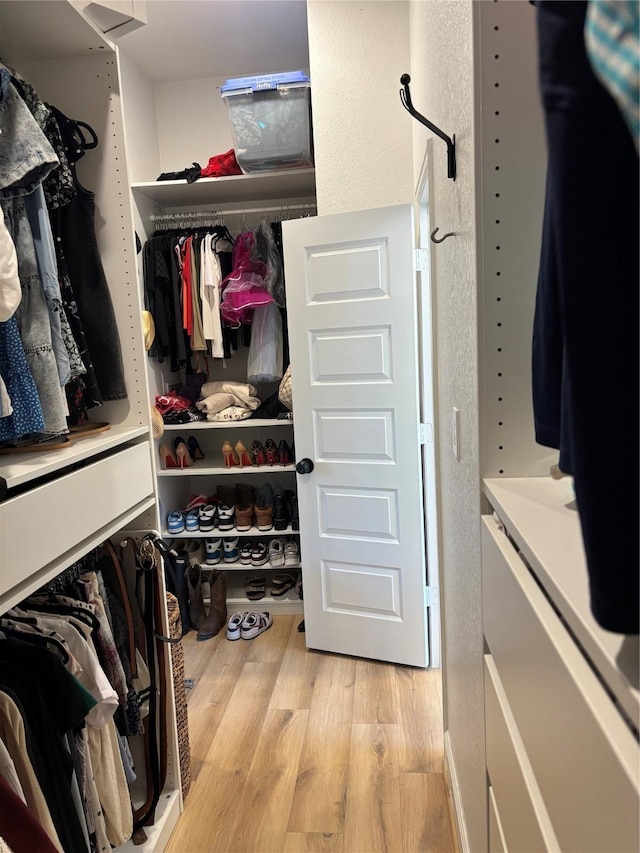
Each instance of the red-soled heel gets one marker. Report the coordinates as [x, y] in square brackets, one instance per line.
[271, 449]
[230, 456]
[257, 453]
[243, 455]
[167, 459]
[286, 456]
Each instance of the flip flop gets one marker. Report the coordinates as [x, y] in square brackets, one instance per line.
[88, 428]
[255, 587]
[57, 442]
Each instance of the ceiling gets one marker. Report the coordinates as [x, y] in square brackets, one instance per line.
[189, 39]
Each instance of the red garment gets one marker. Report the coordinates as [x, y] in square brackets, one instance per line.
[172, 403]
[187, 287]
[222, 165]
[18, 826]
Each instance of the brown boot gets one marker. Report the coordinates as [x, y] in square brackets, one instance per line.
[245, 497]
[197, 613]
[217, 607]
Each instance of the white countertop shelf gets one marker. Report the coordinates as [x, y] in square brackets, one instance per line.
[236, 189]
[229, 425]
[540, 515]
[20, 468]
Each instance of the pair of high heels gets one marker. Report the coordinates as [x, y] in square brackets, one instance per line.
[271, 453]
[183, 454]
[236, 456]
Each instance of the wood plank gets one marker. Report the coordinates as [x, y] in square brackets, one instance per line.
[426, 827]
[321, 787]
[375, 698]
[419, 693]
[372, 819]
[296, 680]
[270, 646]
[263, 810]
[212, 804]
[313, 842]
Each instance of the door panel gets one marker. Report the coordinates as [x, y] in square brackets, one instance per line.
[351, 298]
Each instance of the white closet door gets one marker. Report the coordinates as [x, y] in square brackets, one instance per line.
[351, 297]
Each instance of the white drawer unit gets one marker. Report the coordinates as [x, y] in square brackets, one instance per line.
[580, 748]
[523, 818]
[57, 517]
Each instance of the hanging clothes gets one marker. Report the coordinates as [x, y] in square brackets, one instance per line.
[585, 342]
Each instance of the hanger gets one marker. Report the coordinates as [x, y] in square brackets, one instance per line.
[73, 138]
[36, 636]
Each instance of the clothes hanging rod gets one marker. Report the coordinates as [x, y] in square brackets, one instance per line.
[212, 214]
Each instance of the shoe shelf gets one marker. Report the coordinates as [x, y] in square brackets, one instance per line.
[216, 470]
[230, 425]
[231, 534]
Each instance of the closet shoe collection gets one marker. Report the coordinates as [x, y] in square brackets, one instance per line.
[268, 454]
[183, 454]
[240, 507]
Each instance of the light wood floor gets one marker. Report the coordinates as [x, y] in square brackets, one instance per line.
[294, 750]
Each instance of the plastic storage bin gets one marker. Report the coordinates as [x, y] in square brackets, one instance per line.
[270, 121]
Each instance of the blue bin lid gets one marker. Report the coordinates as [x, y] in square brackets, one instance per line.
[264, 81]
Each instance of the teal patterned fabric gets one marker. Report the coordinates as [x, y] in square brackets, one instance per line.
[612, 35]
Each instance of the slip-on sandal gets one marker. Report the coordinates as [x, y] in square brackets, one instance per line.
[88, 428]
[255, 587]
[57, 442]
[282, 583]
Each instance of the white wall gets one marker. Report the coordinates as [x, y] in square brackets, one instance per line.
[369, 153]
[442, 89]
[357, 54]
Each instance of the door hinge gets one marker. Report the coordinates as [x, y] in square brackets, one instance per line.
[421, 259]
[432, 596]
[426, 433]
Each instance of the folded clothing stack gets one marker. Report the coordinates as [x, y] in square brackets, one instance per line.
[228, 401]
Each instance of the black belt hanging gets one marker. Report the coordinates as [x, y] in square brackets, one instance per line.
[146, 575]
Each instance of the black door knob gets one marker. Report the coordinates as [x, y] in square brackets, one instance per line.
[304, 466]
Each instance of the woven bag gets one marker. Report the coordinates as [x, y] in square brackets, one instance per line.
[284, 392]
[182, 720]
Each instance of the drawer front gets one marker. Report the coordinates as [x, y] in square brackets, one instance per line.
[496, 839]
[40, 525]
[583, 754]
[523, 816]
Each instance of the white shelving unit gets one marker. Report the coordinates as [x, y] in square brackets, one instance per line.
[56, 506]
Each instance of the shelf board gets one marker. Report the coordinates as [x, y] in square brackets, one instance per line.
[541, 517]
[236, 189]
[199, 469]
[242, 567]
[20, 468]
[250, 422]
[226, 534]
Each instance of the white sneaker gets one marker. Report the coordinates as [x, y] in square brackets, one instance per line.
[291, 553]
[276, 553]
[234, 625]
[195, 550]
[254, 624]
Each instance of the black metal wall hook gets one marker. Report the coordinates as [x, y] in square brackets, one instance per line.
[405, 97]
[435, 239]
